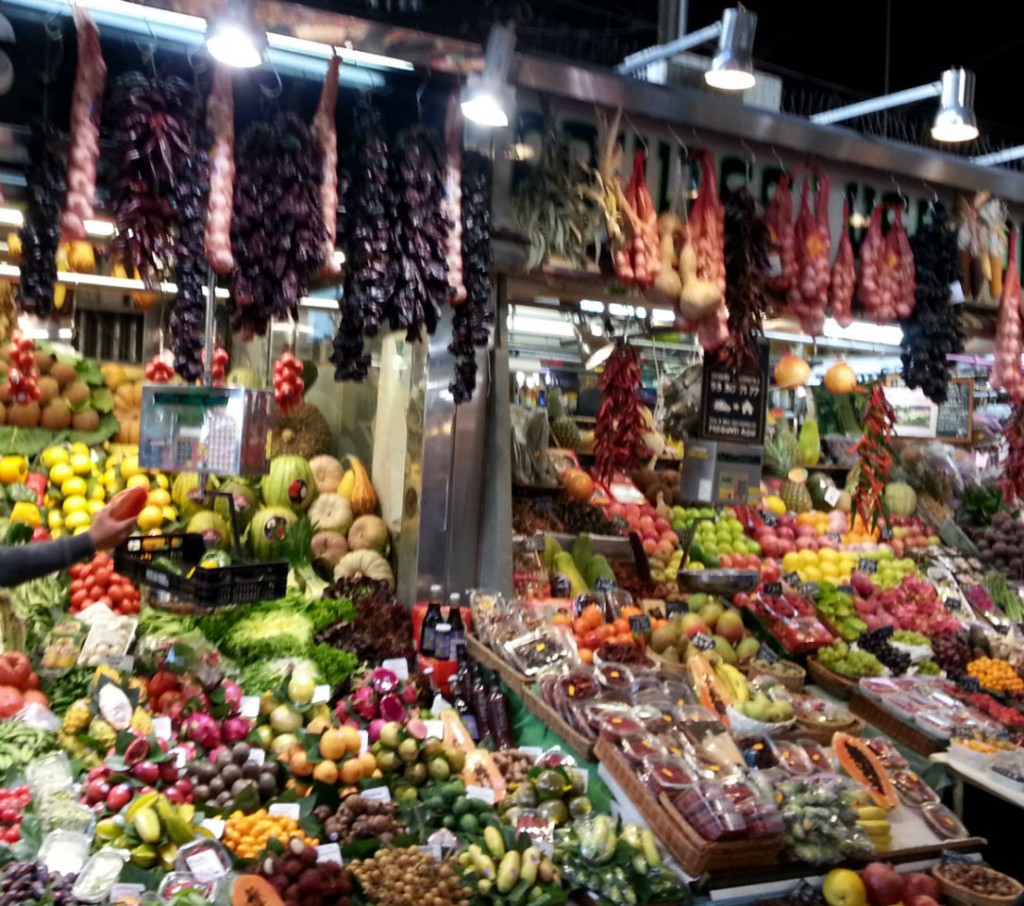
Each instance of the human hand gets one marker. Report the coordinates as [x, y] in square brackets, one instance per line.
[107, 531]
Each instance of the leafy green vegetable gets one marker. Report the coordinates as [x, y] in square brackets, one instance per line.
[334, 665]
[88, 370]
[26, 441]
[271, 675]
[273, 634]
[18, 532]
[35, 602]
[20, 493]
[102, 400]
[65, 689]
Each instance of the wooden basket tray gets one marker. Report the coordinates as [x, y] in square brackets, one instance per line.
[581, 746]
[823, 733]
[964, 895]
[695, 855]
[483, 655]
[899, 731]
[840, 686]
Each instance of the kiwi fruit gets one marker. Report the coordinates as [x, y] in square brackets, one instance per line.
[44, 361]
[56, 415]
[24, 415]
[77, 393]
[63, 373]
[86, 420]
[48, 389]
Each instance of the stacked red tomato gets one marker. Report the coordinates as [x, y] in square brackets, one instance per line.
[13, 802]
[158, 370]
[97, 583]
[22, 378]
[288, 383]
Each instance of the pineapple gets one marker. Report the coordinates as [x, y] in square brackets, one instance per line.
[102, 733]
[563, 428]
[794, 492]
[77, 717]
[782, 452]
[101, 671]
[141, 721]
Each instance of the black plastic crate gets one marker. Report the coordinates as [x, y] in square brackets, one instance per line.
[207, 589]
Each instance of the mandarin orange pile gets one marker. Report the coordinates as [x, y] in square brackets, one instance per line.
[996, 674]
[247, 835]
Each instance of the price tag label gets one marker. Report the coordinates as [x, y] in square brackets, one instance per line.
[770, 519]
[846, 589]
[377, 794]
[215, 826]
[206, 865]
[834, 536]
[433, 850]
[180, 757]
[971, 684]
[1002, 629]
[321, 694]
[951, 604]
[287, 809]
[702, 642]
[125, 662]
[364, 741]
[956, 293]
[951, 858]
[640, 625]
[868, 566]
[162, 727]
[675, 608]
[329, 852]
[121, 892]
[480, 792]
[439, 705]
[605, 584]
[885, 533]
[764, 653]
[256, 755]
[807, 589]
[435, 728]
[832, 495]
[560, 586]
[249, 707]
[773, 589]
[791, 578]
[399, 666]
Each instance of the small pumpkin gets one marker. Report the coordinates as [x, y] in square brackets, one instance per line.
[365, 564]
[791, 371]
[128, 412]
[840, 379]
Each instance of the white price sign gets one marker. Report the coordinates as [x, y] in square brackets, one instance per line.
[215, 826]
[329, 852]
[376, 794]
[249, 707]
[288, 809]
[257, 756]
[321, 694]
[480, 792]
[399, 666]
[162, 727]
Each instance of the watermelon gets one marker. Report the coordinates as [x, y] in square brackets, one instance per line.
[245, 501]
[267, 531]
[289, 483]
[214, 528]
[900, 498]
[819, 484]
[186, 496]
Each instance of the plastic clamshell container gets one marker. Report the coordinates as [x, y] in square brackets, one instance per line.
[935, 725]
[207, 859]
[638, 749]
[902, 706]
[100, 874]
[821, 758]
[619, 727]
[180, 881]
[876, 687]
[51, 772]
[65, 852]
[615, 677]
[943, 822]
[887, 752]
[912, 789]
[759, 812]
[680, 694]
[710, 812]
[668, 774]
[59, 813]
[758, 753]
[792, 756]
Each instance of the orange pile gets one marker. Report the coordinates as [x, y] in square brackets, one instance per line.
[247, 835]
[341, 761]
[591, 631]
[995, 674]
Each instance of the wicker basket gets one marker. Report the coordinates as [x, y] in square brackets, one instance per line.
[580, 746]
[840, 686]
[964, 895]
[483, 655]
[794, 683]
[899, 731]
[823, 732]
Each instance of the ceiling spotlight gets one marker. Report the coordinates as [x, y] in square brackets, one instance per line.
[954, 120]
[594, 349]
[732, 67]
[235, 39]
[487, 98]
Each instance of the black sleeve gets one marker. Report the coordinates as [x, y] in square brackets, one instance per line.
[30, 561]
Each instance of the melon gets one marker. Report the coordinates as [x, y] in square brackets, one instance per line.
[819, 484]
[368, 533]
[244, 498]
[243, 377]
[865, 767]
[186, 495]
[215, 529]
[900, 498]
[267, 531]
[289, 483]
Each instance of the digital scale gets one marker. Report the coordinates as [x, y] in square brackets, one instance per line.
[721, 474]
[211, 430]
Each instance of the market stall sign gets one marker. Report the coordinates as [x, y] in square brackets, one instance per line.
[956, 415]
[733, 403]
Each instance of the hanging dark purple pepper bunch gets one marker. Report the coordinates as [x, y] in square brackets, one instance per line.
[277, 229]
[151, 128]
[40, 233]
[366, 223]
[933, 329]
[188, 317]
[747, 241]
[420, 233]
[471, 320]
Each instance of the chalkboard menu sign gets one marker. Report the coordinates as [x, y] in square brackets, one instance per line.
[956, 414]
[733, 402]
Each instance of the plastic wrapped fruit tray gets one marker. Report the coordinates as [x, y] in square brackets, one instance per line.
[905, 734]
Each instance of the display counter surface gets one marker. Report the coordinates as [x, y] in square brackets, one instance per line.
[962, 771]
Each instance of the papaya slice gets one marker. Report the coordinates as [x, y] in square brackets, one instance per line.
[252, 890]
[709, 688]
[864, 766]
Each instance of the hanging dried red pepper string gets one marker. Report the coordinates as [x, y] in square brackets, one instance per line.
[618, 434]
[876, 458]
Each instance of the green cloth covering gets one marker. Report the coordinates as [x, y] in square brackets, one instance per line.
[530, 731]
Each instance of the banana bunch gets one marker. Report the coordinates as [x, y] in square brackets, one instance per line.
[504, 867]
[875, 822]
[735, 682]
[152, 829]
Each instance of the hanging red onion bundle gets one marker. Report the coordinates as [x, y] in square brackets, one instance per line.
[452, 203]
[325, 134]
[747, 241]
[220, 123]
[844, 276]
[887, 279]
[471, 320]
[40, 233]
[277, 231]
[619, 431]
[288, 383]
[369, 273]
[1006, 372]
[779, 220]
[808, 296]
[158, 370]
[420, 233]
[84, 144]
[637, 263]
[1011, 480]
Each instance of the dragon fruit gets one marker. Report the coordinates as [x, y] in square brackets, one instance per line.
[232, 695]
[409, 694]
[383, 681]
[203, 729]
[364, 703]
[235, 729]
[392, 708]
[374, 729]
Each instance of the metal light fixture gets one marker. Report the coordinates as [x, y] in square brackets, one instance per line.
[487, 98]
[594, 350]
[235, 39]
[732, 67]
[954, 120]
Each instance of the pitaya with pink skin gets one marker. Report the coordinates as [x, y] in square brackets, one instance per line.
[211, 756]
[383, 680]
[364, 703]
[232, 695]
[235, 729]
[391, 708]
[376, 725]
[202, 729]
[341, 711]
[409, 694]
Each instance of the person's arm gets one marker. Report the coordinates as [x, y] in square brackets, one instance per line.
[30, 561]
